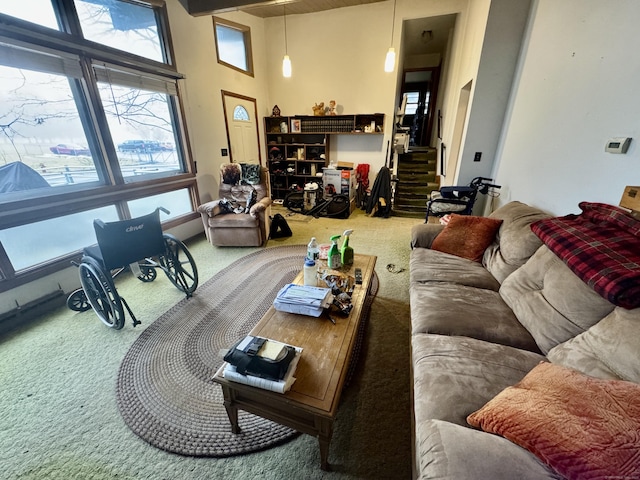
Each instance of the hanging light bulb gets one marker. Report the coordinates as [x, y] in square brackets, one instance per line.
[286, 66]
[390, 59]
[286, 61]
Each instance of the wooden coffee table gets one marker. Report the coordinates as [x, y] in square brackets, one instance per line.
[310, 406]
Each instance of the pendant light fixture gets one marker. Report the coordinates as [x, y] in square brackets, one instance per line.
[390, 60]
[286, 61]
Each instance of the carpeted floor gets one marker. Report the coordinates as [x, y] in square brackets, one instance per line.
[59, 417]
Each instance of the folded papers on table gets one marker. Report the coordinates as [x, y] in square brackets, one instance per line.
[303, 300]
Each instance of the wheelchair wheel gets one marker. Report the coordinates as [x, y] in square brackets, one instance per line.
[178, 264]
[101, 293]
[78, 302]
[147, 274]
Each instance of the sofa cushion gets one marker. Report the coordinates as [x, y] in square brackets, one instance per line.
[445, 451]
[514, 242]
[583, 427]
[448, 309]
[432, 266]
[609, 349]
[551, 302]
[454, 376]
[467, 236]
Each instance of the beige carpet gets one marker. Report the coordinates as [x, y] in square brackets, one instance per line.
[58, 413]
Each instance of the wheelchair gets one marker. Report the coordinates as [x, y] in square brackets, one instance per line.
[137, 245]
[459, 199]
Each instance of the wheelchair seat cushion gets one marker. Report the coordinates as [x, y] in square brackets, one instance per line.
[467, 237]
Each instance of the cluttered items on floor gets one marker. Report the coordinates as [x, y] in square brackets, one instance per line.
[262, 363]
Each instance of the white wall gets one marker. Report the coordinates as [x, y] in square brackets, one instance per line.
[194, 46]
[339, 55]
[577, 86]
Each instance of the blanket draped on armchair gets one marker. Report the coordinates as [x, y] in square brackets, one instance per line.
[601, 246]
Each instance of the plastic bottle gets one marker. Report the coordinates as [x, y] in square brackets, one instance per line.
[346, 252]
[313, 250]
[333, 257]
[310, 278]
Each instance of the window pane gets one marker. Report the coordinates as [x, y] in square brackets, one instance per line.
[142, 130]
[121, 25]
[40, 128]
[36, 11]
[411, 109]
[240, 114]
[231, 47]
[412, 97]
[28, 245]
[178, 203]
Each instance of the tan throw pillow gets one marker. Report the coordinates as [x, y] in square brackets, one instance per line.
[466, 236]
[582, 427]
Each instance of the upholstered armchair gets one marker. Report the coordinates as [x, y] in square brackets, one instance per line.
[236, 219]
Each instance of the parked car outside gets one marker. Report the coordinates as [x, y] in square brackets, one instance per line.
[69, 149]
[140, 146]
[167, 146]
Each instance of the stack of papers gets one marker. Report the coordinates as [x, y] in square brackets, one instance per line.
[303, 300]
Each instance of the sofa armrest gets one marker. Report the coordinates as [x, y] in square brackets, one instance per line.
[259, 207]
[210, 209]
[423, 235]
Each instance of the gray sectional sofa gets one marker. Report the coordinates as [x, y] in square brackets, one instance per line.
[480, 327]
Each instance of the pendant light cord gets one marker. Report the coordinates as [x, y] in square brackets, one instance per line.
[393, 25]
[284, 8]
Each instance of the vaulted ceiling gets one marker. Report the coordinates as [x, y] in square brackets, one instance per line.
[263, 9]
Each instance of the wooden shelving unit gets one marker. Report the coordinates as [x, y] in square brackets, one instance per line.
[298, 146]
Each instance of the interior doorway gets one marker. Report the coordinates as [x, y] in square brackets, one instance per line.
[419, 94]
[241, 121]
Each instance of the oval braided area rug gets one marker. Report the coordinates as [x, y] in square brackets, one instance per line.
[164, 389]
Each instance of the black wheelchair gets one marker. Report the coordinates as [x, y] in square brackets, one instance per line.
[137, 245]
[459, 199]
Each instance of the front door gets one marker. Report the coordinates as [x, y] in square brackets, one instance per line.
[240, 115]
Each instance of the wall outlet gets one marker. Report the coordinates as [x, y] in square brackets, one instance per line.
[224, 152]
[477, 156]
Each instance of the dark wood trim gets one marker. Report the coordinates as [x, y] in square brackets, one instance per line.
[246, 34]
[226, 93]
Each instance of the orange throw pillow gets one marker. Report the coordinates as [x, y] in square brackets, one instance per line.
[583, 427]
[467, 237]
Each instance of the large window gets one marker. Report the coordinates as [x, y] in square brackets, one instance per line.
[90, 127]
[233, 45]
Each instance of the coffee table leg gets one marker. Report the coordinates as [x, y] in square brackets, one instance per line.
[232, 410]
[324, 438]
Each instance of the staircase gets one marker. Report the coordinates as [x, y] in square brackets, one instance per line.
[416, 180]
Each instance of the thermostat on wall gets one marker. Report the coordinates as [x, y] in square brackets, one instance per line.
[618, 145]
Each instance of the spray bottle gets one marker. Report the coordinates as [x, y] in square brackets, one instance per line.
[333, 256]
[346, 252]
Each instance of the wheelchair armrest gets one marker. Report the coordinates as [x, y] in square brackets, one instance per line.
[210, 209]
[259, 207]
[422, 235]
